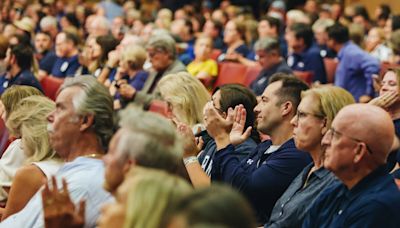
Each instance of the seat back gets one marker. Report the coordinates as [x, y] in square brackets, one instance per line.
[160, 107]
[215, 53]
[330, 68]
[230, 72]
[306, 76]
[251, 74]
[50, 86]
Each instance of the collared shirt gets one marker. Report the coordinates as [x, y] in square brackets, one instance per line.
[85, 178]
[309, 60]
[65, 67]
[291, 208]
[24, 77]
[261, 82]
[261, 177]
[372, 202]
[355, 69]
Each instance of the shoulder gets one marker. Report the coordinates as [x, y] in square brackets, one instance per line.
[28, 175]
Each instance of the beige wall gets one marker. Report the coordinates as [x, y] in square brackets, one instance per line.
[371, 5]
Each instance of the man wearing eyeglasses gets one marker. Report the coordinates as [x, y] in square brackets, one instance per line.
[357, 146]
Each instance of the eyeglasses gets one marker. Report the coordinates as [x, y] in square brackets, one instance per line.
[220, 111]
[331, 133]
[303, 115]
[153, 52]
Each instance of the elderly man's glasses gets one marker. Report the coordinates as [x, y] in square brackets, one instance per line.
[153, 52]
[334, 133]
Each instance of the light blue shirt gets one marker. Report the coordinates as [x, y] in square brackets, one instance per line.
[85, 178]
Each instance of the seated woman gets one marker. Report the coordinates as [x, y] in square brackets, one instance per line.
[95, 54]
[130, 71]
[199, 166]
[375, 46]
[14, 157]
[313, 120]
[186, 97]
[234, 38]
[29, 121]
[203, 67]
[142, 200]
[389, 100]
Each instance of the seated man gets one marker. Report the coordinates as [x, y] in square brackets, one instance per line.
[268, 170]
[19, 59]
[79, 133]
[357, 146]
[269, 56]
[67, 51]
[303, 55]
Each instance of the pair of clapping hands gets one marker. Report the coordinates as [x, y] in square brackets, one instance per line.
[385, 100]
[224, 131]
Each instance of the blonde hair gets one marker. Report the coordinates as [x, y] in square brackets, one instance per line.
[29, 120]
[135, 56]
[187, 96]
[151, 193]
[330, 99]
[16, 93]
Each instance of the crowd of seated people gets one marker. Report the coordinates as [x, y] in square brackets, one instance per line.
[142, 129]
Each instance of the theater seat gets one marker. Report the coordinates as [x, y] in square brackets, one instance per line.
[160, 107]
[306, 76]
[330, 67]
[251, 74]
[215, 53]
[50, 86]
[230, 72]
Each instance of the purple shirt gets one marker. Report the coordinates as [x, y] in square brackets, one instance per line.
[355, 69]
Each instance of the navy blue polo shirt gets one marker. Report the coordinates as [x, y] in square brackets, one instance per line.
[309, 60]
[25, 77]
[262, 177]
[372, 202]
[65, 67]
[47, 62]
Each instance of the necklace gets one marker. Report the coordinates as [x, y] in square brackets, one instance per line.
[93, 155]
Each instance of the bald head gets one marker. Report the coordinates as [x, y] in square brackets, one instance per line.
[369, 124]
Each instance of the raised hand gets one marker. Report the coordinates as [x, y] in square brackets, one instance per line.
[237, 136]
[190, 148]
[385, 100]
[59, 210]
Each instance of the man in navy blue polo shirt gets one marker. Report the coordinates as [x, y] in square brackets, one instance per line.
[303, 54]
[67, 62]
[268, 170]
[357, 146]
[19, 59]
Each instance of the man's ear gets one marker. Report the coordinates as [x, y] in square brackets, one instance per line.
[324, 127]
[130, 164]
[361, 151]
[286, 108]
[86, 122]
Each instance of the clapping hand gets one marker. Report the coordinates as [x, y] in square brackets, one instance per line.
[59, 210]
[237, 136]
[192, 145]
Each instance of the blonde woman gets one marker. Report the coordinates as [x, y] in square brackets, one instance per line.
[315, 113]
[186, 97]
[29, 121]
[14, 157]
[130, 71]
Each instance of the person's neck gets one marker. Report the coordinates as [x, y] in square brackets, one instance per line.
[316, 155]
[338, 47]
[72, 53]
[15, 69]
[394, 111]
[299, 50]
[352, 177]
[87, 145]
[282, 133]
[132, 73]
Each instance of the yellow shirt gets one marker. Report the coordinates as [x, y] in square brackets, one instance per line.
[209, 66]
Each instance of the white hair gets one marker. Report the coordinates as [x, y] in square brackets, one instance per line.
[48, 21]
